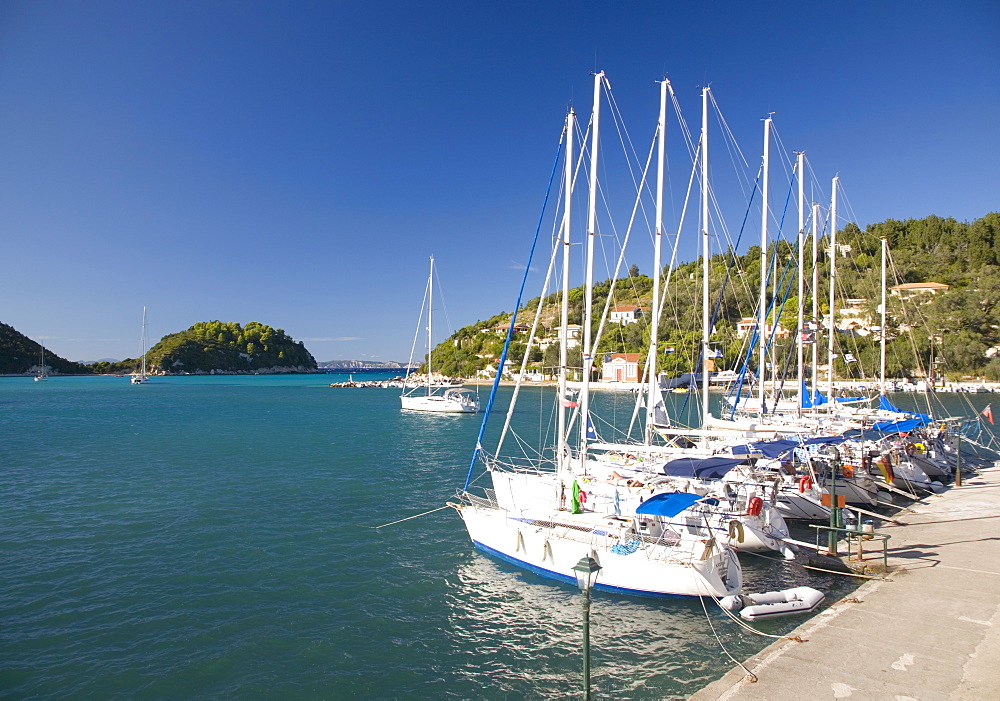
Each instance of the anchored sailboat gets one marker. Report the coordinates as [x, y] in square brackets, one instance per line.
[40, 373]
[430, 396]
[140, 377]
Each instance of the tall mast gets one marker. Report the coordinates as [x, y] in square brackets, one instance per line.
[762, 308]
[430, 311]
[833, 285]
[654, 325]
[143, 341]
[814, 375]
[589, 288]
[800, 319]
[563, 447]
[881, 353]
[706, 332]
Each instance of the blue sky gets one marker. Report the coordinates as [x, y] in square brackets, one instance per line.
[295, 163]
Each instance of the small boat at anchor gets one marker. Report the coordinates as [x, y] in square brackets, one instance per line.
[425, 396]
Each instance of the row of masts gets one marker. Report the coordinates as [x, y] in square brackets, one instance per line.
[564, 239]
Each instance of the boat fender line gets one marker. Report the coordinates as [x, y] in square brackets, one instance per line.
[755, 506]
[805, 483]
[736, 531]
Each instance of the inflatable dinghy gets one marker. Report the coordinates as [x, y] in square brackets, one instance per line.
[774, 604]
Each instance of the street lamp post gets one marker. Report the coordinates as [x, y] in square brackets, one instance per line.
[586, 574]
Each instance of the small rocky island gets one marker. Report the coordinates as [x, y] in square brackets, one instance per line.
[222, 348]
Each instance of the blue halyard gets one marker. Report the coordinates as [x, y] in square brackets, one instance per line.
[513, 319]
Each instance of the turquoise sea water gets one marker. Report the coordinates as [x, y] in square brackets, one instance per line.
[206, 537]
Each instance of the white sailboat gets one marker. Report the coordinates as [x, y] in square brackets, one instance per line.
[430, 396]
[528, 517]
[40, 374]
[140, 377]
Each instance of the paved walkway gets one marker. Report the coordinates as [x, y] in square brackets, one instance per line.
[932, 632]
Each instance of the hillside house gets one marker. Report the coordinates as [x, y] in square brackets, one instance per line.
[573, 332]
[909, 290]
[621, 367]
[628, 314]
[747, 325]
[518, 329]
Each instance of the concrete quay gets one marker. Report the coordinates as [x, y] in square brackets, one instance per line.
[931, 631]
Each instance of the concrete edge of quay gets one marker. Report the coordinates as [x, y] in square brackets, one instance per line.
[930, 630]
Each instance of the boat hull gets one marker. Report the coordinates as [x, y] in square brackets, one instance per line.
[551, 550]
[441, 405]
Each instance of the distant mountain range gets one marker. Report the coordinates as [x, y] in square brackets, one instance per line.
[364, 365]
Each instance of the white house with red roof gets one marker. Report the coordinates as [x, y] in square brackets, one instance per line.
[628, 314]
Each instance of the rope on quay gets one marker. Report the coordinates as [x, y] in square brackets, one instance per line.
[409, 517]
[848, 574]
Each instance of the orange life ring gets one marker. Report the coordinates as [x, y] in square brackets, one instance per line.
[805, 482]
[910, 449]
[755, 506]
[847, 471]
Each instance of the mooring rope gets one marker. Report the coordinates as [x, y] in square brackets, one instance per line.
[409, 517]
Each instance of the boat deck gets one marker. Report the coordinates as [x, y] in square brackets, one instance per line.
[932, 631]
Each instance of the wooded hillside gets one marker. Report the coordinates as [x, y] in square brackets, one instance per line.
[963, 322]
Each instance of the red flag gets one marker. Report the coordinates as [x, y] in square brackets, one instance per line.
[987, 413]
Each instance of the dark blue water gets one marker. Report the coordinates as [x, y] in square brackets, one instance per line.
[205, 537]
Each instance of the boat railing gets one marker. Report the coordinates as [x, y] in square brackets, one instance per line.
[487, 501]
[858, 536]
[535, 466]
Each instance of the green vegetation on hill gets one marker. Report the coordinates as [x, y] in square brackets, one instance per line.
[226, 347]
[19, 355]
[963, 322]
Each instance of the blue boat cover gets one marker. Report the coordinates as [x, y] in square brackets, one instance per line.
[886, 405]
[667, 504]
[900, 426]
[701, 468]
[824, 439]
[817, 398]
[769, 449]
